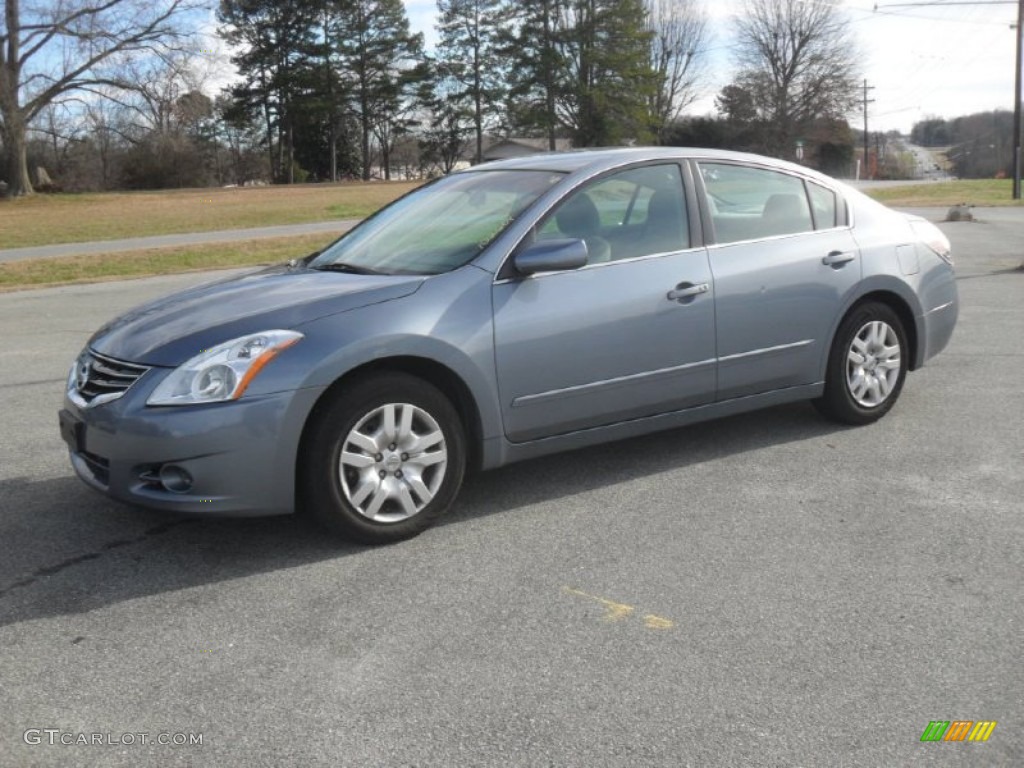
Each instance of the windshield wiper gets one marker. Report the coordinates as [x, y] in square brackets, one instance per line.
[351, 269]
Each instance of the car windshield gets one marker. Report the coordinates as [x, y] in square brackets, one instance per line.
[438, 227]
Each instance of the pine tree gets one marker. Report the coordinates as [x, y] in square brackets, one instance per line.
[470, 60]
[584, 67]
[536, 73]
[276, 42]
[379, 56]
[610, 79]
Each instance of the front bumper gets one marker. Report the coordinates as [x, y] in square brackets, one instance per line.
[240, 456]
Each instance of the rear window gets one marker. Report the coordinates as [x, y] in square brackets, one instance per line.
[753, 203]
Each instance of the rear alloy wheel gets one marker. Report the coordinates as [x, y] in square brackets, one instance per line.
[867, 366]
[384, 460]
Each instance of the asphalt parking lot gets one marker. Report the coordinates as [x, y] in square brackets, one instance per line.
[767, 590]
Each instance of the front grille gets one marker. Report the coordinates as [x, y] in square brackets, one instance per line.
[102, 378]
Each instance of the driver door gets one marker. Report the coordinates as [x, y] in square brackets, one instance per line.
[630, 334]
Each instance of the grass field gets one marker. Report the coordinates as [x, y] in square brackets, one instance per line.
[981, 192]
[47, 219]
[36, 273]
[50, 219]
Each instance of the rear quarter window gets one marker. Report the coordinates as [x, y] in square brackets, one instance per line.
[824, 206]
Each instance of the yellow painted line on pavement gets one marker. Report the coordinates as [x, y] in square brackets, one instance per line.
[615, 611]
[657, 622]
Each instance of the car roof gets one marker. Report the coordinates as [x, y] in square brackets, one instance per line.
[596, 160]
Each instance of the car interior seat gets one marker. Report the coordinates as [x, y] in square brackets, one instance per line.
[579, 218]
[666, 228]
[786, 214]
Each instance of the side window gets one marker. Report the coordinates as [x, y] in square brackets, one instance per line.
[750, 203]
[633, 213]
[823, 204]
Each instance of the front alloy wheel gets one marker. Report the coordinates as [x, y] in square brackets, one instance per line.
[393, 462]
[382, 458]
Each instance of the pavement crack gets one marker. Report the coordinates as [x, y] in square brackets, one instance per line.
[1010, 271]
[50, 570]
[31, 383]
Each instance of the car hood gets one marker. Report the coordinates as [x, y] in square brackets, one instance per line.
[170, 330]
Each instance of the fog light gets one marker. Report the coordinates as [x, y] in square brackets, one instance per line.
[175, 479]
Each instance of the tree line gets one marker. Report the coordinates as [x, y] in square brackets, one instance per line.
[335, 89]
[336, 85]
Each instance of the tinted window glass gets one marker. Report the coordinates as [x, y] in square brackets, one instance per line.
[823, 203]
[638, 212]
[750, 203]
[440, 226]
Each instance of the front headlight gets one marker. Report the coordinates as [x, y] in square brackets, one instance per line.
[223, 372]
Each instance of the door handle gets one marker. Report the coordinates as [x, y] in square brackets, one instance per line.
[687, 291]
[838, 258]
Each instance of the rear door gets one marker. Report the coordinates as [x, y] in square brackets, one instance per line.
[783, 260]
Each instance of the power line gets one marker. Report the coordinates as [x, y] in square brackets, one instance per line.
[879, 11]
[909, 86]
[1018, 75]
[942, 5]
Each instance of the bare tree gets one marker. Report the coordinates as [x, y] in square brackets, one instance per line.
[796, 59]
[50, 49]
[105, 137]
[154, 86]
[58, 128]
[679, 35]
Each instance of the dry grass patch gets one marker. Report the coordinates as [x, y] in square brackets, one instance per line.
[38, 273]
[982, 192]
[50, 219]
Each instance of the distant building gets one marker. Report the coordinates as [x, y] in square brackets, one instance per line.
[518, 147]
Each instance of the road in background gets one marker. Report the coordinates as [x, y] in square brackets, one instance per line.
[766, 590]
[927, 166]
[165, 241]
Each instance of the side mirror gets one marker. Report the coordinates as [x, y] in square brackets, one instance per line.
[551, 256]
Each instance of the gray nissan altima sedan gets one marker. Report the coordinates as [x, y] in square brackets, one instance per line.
[512, 310]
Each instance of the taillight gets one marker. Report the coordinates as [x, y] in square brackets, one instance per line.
[933, 237]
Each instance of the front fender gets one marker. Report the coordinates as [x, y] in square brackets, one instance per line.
[448, 322]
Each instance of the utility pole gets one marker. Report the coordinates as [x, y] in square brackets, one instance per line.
[867, 140]
[1016, 102]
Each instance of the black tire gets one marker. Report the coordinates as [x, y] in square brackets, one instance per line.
[332, 492]
[841, 400]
